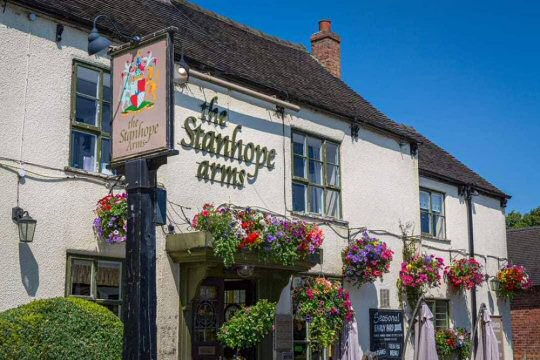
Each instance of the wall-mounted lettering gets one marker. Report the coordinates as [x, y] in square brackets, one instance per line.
[211, 140]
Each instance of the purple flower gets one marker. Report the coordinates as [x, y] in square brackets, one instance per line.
[270, 238]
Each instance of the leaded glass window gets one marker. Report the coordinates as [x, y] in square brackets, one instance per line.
[316, 186]
[91, 119]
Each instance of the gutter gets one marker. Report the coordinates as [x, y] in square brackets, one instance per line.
[468, 192]
[498, 195]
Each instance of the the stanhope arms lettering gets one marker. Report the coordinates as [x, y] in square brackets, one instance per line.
[227, 146]
[137, 134]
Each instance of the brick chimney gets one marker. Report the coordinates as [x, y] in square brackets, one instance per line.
[326, 47]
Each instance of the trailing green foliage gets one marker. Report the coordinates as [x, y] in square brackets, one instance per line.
[60, 328]
[248, 326]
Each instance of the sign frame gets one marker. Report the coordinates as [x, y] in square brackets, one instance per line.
[168, 149]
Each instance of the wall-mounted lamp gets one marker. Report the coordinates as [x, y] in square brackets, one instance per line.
[96, 42]
[181, 74]
[26, 224]
[494, 284]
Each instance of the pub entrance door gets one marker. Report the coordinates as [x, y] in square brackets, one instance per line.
[216, 302]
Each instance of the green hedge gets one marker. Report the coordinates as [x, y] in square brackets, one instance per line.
[60, 328]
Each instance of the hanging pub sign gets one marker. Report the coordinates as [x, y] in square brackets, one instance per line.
[143, 97]
[386, 333]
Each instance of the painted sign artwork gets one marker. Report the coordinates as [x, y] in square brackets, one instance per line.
[141, 81]
[141, 101]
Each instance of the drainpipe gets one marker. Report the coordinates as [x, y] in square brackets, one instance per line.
[468, 193]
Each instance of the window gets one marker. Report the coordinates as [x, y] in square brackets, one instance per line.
[316, 186]
[384, 298]
[96, 279]
[91, 119]
[440, 310]
[432, 216]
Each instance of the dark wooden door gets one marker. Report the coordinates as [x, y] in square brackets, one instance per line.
[217, 301]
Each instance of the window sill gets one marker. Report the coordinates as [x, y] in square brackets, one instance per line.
[93, 174]
[434, 238]
[319, 218]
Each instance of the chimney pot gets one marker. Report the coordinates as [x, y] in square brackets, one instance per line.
[326, 47]
[325, 26]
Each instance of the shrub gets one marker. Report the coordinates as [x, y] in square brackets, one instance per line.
[60, 328]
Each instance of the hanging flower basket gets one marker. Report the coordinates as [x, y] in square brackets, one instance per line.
[512, 280]
[277, 239]
[110, 224]
[366, 259]
[421, 271]
[417, 274]
[464, 274]
[326, 307]
[453, 344]
[248, 326]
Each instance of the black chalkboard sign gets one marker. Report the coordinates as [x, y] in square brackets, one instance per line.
[386, 333]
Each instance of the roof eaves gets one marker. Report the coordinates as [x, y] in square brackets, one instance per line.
[452, 181]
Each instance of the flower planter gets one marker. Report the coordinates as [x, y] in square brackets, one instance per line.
[195, 247]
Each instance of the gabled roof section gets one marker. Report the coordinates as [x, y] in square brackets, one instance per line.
[434, 161]
[523, 249]
[230, 50]
[238, 53]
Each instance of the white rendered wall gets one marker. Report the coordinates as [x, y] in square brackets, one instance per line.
[489, 239]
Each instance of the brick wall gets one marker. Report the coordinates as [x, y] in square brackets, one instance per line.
[526, 325]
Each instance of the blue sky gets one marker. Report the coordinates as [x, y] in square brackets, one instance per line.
[464, 73]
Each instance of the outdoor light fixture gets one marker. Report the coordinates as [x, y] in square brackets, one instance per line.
[245, 271]
[494, 284]
[27, 225]
[182, 71]
[96, 42]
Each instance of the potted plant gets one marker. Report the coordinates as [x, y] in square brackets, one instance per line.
[453, 344]
[464, 274]
[366, 259]
[248, 326]
[110, 224]
[326, 307]
[512, 279]
[273, 238]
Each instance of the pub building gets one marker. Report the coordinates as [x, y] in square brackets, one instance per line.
[261, 123]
